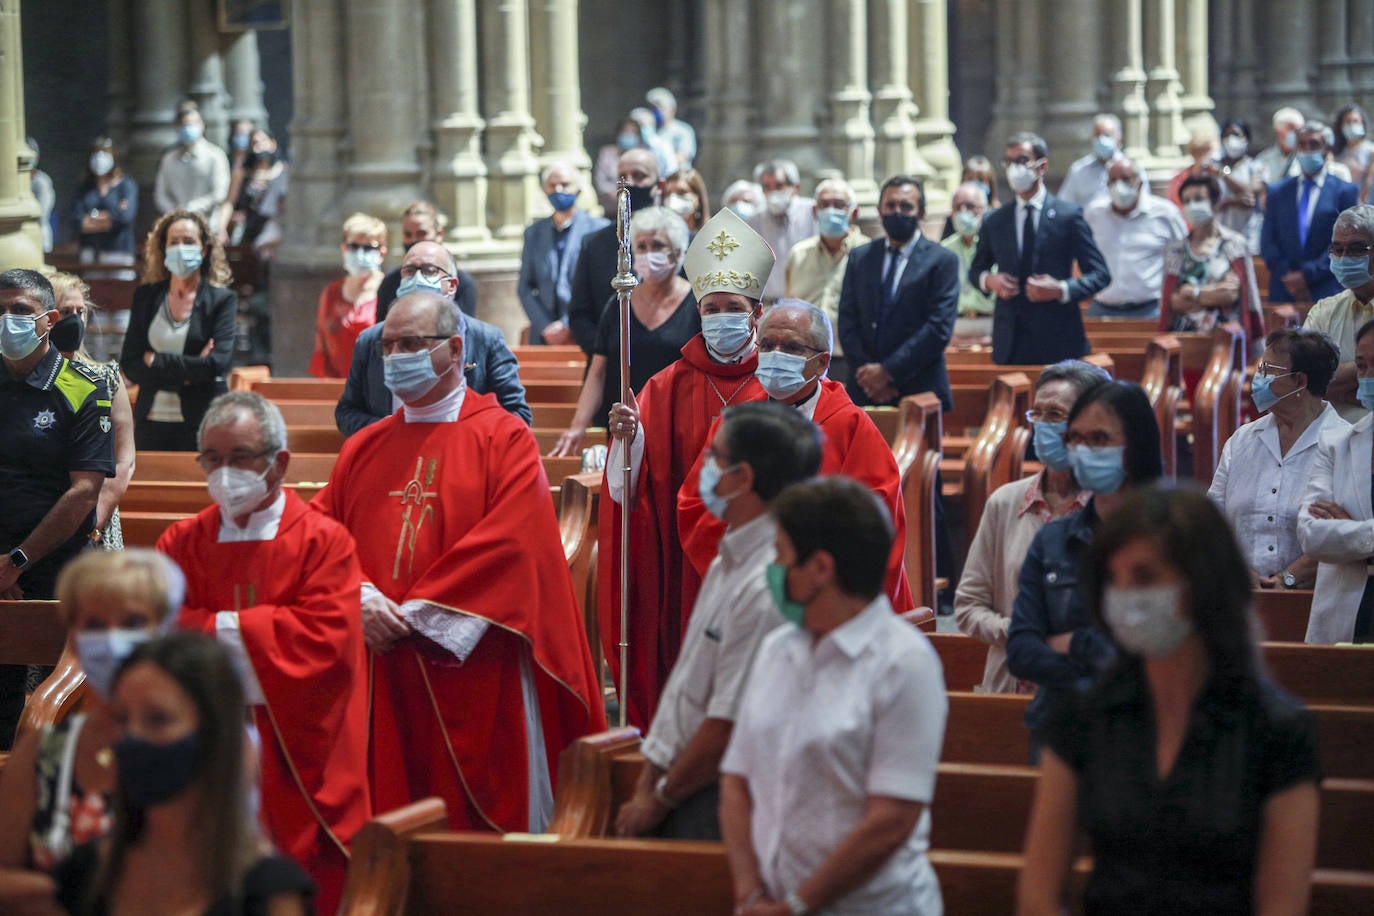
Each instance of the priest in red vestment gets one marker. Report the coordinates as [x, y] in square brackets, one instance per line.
[795, 341]
[665, 425]
[481, 673]
[278, 585]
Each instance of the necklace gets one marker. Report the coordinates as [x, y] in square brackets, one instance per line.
[724, 401]
[104, 757]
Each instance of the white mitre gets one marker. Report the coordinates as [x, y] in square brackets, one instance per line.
[727, 256]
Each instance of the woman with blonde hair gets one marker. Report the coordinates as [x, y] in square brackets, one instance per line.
[56, 788]
[348, 305]
[72, 297]
[180, 342]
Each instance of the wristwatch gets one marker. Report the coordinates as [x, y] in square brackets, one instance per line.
[18, 558]
[661, 796]
[1288, 579]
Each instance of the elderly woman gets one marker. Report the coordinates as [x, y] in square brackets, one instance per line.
[1265, 465]
[1241, 208]
[1334, 522]
[685, 194]
[744, 197]
[348, 305]
[1193, 776]
[1209, 277]
[180, 342]
[73, 299]
[1012, 516]
[56, 787]
[1113, 447]
[663, 317]
[831, 765]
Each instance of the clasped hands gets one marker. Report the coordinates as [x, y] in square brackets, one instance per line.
[1039, 288]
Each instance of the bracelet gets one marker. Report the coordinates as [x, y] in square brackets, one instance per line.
[661, 796]
[795, 905]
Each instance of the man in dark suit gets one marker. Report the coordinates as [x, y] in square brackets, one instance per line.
[1299, 214]
[596, 266]
[1033, 242]
[552, 245]
[488, 364]
[898, 303]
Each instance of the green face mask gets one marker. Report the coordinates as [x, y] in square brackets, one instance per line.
[794, 612]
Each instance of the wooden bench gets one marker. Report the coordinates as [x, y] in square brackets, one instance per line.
[555, 392]
[917, 451]
[552, 416]
[1282, 613]
[185, 497]
[32, 634]
[579, 500]
[300, 389]
[561, 353]
[1162, 379]
[305, 467]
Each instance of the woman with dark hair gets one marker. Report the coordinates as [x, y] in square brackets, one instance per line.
[1243, 179]
[180, 342]
[1353, 146]
[104, 209]
[184, 830]
[1113, 447]
[685, 194]
[1272, 456]
[1194, 776]
[1208, 276]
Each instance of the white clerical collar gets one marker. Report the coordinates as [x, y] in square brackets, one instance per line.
[739, 358]
[444, 410]
[262, 525]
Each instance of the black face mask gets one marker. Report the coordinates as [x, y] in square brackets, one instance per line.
[68, 333]
[641, 197]
[900, 227]
[153, 774]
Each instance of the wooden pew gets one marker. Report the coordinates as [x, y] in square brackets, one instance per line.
[300, 389]
[561, 353]
[305, 467]
[917, 450]
[552, 392]
[552, 416]
[997, 451]
[299, 413]
[1282, 613]
[1162, 379]
[185, 497]
[1216, 400]
[886, 419]
[578, 503]
[32, 634]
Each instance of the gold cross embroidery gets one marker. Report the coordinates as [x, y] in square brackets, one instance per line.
[412, 495]
[722, 245]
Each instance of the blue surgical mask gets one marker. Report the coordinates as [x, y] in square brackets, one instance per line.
[711, 472]
[729, 335]
[189, 133]
[240, 142]
[1351, 271]
[1104, 146]
[966, 222]
[562, 200]
[1049, 444]
[833, 223]
[1262, 394]
[183, 260]
[1311, 162]
[794, 612]
[627, 141]
[417, 282]
[411, 376]
[782, 374]
[1101, 470]
[1365, 392]
[987, 189]
[359, 262]
[19, 336]
[103, 651]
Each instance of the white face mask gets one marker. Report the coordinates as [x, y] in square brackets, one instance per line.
[1197, 211]
[1235, 146]
[360, 263]
[238, 491]
[101, 162]
[966, 222]
[1021, 177]
[681, 205]
[103, 651]
[1123, 194]
[1147, 621]
[778, 202]
[654, 265]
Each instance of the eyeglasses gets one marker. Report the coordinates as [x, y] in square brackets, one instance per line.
[1354, 251]
[1022, 160]
[1047, 416]
[790, 347]
[243, 461]
[388, 346]
[430, 272]
[1092, 440]
[1272, 370]
[359, 247]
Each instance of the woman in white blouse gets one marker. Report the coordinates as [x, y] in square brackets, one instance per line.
[1265, 464]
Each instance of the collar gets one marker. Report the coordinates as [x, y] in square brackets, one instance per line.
[1082, 524]
[1318, 179]
[444, 410]
[262, 525]
[45, 373]
[748, 540]
[865, 627]
[907, 247]
[1035, 499]
[806, 405]
[1037, 201]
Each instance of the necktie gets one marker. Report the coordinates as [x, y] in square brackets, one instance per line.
[1303, 217]
[1027, 247]
[889, 272]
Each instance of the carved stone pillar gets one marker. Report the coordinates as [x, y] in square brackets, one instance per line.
[928, 38]
[1075, 72]
[1196, 103]
[119, 93]
[1128, 82]
[1011, 81]
[21, 242]
[557, 84]
[1333, 61]
[790, 85]
[893, 107]
[460, 174]
[1166, 111]
[851, 132]
[725, 150]
[159, 30]
[207, 75]
[1362, 47]
[511, 140]
[243, 78]
[1288, 58]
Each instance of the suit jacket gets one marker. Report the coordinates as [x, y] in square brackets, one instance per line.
[545, 283]
[1034, 333]
[1279, 242]
[214, 316]
[591, 285]
[908, 337]
[465, 295]
[488, 364]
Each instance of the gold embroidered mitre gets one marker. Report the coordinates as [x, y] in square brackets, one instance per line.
[728, 256]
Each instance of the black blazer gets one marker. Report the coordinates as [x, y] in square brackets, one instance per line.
[1034, 333]
[910, 337]
[196, 378]
[465, 295]
[591, 284]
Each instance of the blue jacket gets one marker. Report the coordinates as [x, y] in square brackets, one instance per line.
[1050, 601]
[1279, 242]
[545, 283]
[488, 363]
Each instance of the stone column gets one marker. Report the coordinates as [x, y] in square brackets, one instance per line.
[21, 242]
[1333, 59]
[1166, 111]
[1362, 48]
[1245, 77]
[1197, 104]
[460, 175]
[207, 74]
[928, 38]
[243, 77]
[893, 108]
[851, 132]
[159, 38]
[725, 140]
[1011, 81]
[790, 85]
[1075, 72]
[1288, 58]
[1128, 82]
[510, 135]
[119, 92]
[557, 81]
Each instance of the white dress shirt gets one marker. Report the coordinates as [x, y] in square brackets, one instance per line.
[1133, 246]
[1086, 180]
[824, 725]
[781, 233]
[734, 611]
[1261, 499]
[1339, 317]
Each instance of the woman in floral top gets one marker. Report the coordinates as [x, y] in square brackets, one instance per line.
[1208, 276]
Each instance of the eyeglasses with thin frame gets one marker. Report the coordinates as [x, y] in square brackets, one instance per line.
[1349, 251]
[1272, 371]
[790, 347]
[1046, 416]
[240, 460]
[388, 346]
[430, 272]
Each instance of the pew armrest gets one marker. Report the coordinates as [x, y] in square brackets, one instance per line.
[379, 868]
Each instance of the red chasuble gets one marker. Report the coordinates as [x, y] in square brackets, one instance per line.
[459, 515]
[852, 446]
[677, 407]
[297, 601]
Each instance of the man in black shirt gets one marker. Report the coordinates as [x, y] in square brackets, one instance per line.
[56, 449]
